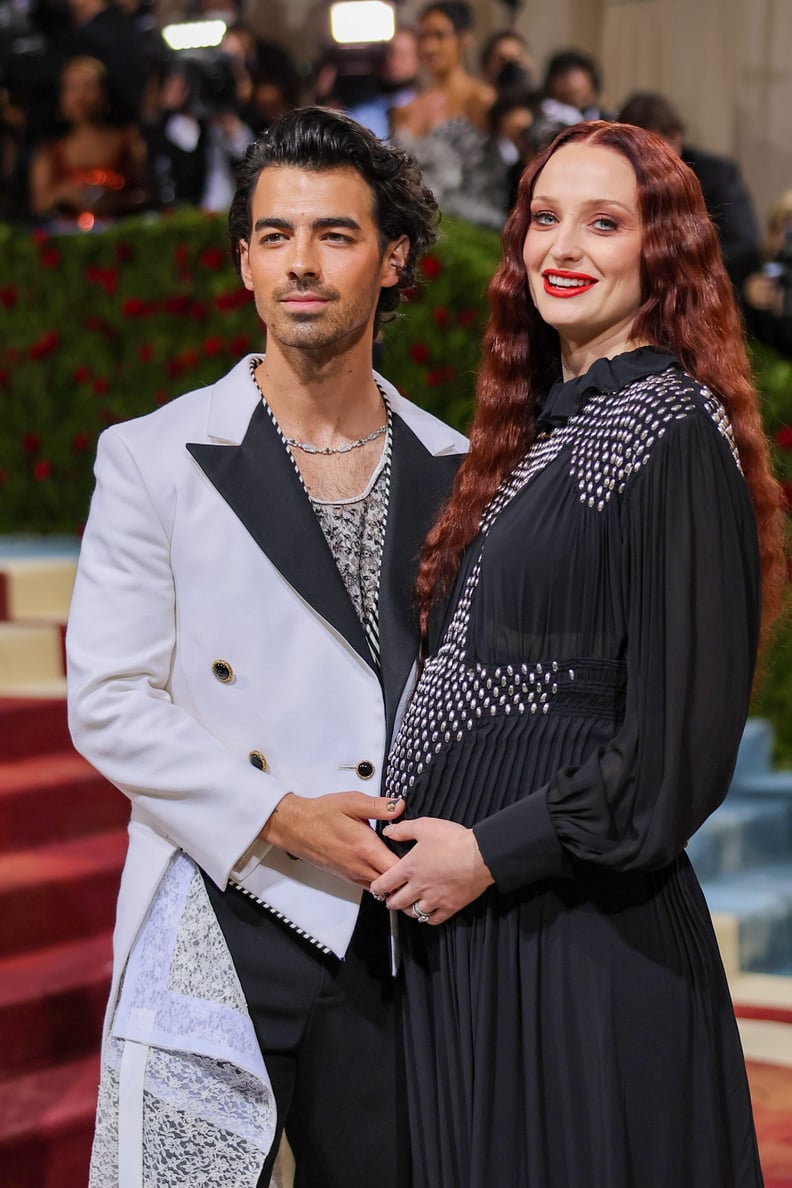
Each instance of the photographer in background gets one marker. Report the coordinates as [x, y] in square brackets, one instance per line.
[767, 293]
[728, 201]
[198, 137]
[522, 129]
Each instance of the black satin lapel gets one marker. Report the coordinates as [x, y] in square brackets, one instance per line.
[259, 484]
[419, 483]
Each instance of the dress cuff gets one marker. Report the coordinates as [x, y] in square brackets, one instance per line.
[519, 844]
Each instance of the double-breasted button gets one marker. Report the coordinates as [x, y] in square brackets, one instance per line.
[223, 671]
[364, 769]
[258, 760]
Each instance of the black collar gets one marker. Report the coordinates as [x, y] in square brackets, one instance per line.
[567, 397]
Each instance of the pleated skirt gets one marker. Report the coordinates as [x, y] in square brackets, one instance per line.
[578, 1033]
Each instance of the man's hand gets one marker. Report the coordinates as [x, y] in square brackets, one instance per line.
[442, 873]
[333, 833]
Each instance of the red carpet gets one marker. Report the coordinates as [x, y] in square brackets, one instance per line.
[771, 1089]
[62, 842]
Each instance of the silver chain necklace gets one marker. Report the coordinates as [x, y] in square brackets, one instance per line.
[307, 448]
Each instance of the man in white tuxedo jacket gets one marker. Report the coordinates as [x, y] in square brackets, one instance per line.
[240, 640]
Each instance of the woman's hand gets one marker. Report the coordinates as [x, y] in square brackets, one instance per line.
[442, 873]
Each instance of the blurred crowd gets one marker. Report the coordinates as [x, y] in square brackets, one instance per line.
[98, 118]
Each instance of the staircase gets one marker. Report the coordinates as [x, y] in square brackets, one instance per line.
[743, 857]
[62, 844]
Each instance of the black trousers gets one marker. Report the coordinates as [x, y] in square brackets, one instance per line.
[328, 1034]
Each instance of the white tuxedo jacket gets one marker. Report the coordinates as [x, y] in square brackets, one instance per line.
[200, 548]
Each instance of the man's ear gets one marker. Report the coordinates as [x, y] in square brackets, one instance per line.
[244, 264]
[394, 261]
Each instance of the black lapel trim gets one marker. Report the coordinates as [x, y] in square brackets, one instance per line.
[419, 483]
[259, 484]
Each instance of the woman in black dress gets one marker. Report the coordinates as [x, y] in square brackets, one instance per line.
[592, 597]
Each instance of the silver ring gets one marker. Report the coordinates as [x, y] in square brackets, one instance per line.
[379, 898]
[421, 917]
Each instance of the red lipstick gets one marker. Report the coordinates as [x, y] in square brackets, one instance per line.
[559, 282]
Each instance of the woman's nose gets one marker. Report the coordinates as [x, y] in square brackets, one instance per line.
[566, 243]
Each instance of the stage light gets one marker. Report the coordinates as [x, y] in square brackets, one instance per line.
[361, 22]
[194, 34]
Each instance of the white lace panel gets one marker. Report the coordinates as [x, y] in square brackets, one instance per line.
[208, 1109]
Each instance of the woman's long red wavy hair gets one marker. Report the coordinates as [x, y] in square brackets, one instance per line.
[688, 309]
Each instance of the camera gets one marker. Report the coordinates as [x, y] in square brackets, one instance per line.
[779, 269]
[211, 82]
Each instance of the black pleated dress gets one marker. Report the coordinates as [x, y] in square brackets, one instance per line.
[581, 709]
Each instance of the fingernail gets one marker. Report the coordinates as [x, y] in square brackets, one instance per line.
[391, 808]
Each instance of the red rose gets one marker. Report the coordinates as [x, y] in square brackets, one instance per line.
[31, 443]
[80, 443]
[412, 293]
[181, 255]
[784, 437]
[189, 358]
[4, 476]
[100, 385]
[50, 257]
[145, 352]
[419, 352]
[8, 296]
[174, 368]
[239, 344]
[133, 307]
[105, 278]
[440, 375]
[786, 493]
[213, 257]
[213, 346]
[440, 315]
[467, 317]
[177, 303]
[162, 397]
[197, 310]
[3, 378]
[431, 267]
[226, 301]
[81, 374]
[45, 345]
[42, 469]
[123, 252]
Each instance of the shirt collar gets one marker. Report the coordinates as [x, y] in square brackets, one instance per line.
[567, 397]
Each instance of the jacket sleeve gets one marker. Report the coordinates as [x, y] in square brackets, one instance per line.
[120, 645]
[691, 589]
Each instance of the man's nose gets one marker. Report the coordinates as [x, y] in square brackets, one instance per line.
[303, 259]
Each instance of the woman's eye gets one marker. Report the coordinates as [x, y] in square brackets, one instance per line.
[603, 223]
[543, 217]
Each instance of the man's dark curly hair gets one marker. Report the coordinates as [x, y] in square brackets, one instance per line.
[319, 139]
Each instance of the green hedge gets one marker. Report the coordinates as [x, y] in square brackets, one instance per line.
[99, 327]
[96, 328]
